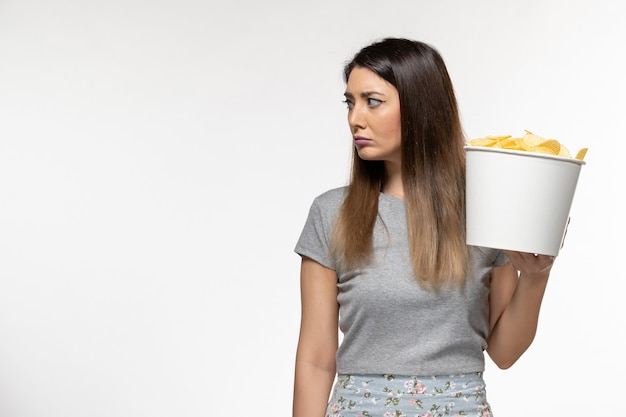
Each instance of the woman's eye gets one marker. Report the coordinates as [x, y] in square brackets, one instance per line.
[349, 104]
[374, 102]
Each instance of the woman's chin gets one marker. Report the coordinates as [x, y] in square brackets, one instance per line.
[367, 156]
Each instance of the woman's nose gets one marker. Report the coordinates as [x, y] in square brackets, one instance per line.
[356, 118]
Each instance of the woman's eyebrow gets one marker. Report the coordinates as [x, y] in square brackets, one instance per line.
[371, 93]
[364, 94]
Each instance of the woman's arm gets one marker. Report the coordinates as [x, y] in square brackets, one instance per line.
[517, 289]
[317, 345]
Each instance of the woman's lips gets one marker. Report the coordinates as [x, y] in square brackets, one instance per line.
[360, 140]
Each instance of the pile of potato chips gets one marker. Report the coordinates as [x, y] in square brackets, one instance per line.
[529, 142]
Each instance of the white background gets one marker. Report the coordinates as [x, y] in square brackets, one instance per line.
[157, 163]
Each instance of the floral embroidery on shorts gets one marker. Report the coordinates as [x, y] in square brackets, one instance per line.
[408, 396]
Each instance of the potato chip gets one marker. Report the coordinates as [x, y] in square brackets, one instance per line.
[550, 146]
[484, 142]
[580, 155]
[529, 142]
[531, 139]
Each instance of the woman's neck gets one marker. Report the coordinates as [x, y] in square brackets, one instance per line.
[393, 181]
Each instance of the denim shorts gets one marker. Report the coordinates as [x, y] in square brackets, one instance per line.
[409, 396]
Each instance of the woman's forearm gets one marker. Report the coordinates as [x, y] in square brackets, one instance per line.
[517, 326]
[312, 385]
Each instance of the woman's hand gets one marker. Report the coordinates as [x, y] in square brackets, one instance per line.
[530, 263]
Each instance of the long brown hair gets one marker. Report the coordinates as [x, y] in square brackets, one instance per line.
[433, 166]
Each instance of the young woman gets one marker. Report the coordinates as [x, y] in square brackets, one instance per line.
[384, 259]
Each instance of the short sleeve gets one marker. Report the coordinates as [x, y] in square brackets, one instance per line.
[314, 241]
[501, 259]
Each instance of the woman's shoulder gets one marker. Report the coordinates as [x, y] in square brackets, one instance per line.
[329, 201]
[333, 195]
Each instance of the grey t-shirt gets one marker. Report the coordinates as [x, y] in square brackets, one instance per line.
[390, 324]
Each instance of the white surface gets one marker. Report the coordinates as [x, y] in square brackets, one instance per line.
[158, 158]
[543, 189]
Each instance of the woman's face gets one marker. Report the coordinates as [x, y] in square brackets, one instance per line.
[373, 116]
